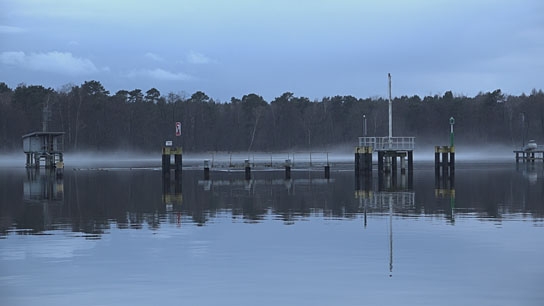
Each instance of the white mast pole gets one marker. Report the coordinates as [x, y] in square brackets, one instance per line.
[390, 110]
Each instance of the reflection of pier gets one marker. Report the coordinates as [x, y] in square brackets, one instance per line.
[444, 186]
[43, 192]
[43, 185]
[390, 197]
[529, 154]
[172, 194]
[250, 184]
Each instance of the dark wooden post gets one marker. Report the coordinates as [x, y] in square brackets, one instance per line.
[437, 161]
[206, 170]
[247, 169]
[445, 164]
[357, 161]
[394, 164]
[410, 161]
[165, 160]
[288, 169]
[380, 161]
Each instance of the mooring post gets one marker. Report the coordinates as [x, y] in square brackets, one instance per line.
[380, 162]
[165, 160]
[206, 169]
[247, 169]
[437, 161]
[369, 160]
[394, 164]
[445, 163]
[287, 169]
[357, 161]
[327, 171]
[410, 161]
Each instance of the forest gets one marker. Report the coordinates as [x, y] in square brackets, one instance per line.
[95, 120]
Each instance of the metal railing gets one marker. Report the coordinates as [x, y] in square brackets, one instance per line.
[387, 143]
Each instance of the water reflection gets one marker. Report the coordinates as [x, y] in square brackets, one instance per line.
[92, 201]
[43, 186]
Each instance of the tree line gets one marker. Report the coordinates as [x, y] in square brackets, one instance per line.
[93, 119]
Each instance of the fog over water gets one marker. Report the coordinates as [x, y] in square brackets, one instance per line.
[338, 155]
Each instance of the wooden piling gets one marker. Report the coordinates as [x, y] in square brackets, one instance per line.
[446, 166]
[247, 169]
[206, 170]
[410, 161]
[287, 169]
[165, 163]
[327, 171]
[394, 164]
[363, 159]
[167, 153]
[380, 161]
[178, 164]
[445, 163]
[437, 161]
[357, 160]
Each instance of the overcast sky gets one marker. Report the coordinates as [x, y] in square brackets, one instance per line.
[313, 48]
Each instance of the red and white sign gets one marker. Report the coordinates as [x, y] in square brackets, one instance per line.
[178, 128]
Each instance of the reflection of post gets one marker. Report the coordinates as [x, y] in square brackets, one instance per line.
[287, 169]
[364, 211]
[43, 185]
[206, 169]
[390, 235]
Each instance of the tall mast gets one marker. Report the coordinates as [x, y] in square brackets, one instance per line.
[390, 109]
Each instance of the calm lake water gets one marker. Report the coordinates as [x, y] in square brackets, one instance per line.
[124, 237]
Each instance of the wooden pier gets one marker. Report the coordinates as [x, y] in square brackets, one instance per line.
[46, 146]
[529, 155]
[260, 162]
[389, 150]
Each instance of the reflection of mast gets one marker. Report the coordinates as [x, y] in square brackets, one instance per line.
[390, 235]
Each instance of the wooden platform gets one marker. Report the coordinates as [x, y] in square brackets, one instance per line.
[529, 155]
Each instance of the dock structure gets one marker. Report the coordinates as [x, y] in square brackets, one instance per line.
[46, 146]
[529, 155]
[389, 149]
[167, 152]
[447, 162]
[249, 165]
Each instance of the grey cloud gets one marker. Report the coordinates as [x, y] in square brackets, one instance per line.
[55, 62]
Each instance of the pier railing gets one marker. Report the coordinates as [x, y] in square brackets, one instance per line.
[388, 143]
